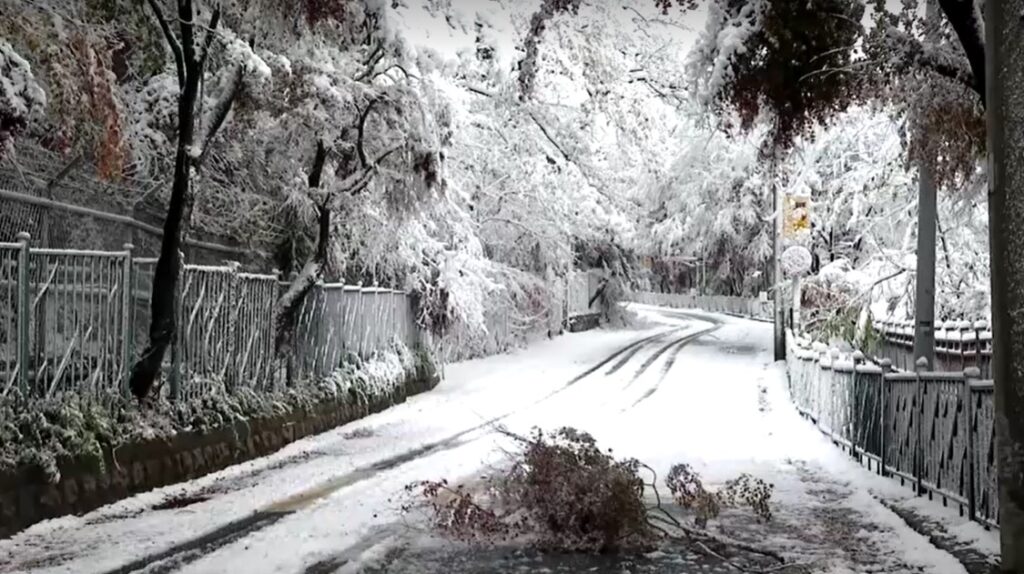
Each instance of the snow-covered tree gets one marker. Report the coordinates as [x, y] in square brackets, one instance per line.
[21, 98]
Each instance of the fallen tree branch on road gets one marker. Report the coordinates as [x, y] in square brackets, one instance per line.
[561, 492]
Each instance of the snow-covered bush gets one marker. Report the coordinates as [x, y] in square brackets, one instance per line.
[21, 97]
[42, 432]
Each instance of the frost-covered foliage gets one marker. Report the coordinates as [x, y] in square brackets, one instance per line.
[437, 177]
[715, 206]
[44, 432]
[863, 225]
[21, 98]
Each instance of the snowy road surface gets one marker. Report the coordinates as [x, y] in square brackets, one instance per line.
[686, 388]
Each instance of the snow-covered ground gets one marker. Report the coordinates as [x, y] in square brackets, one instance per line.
[684, 388]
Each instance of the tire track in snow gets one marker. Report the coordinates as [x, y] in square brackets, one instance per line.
[680, 341]
[632, 353]
[630, 347]
[669, 362]
[184, 553]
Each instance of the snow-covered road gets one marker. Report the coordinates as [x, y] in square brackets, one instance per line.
[686, 388]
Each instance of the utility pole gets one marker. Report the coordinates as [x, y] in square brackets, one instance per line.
[1004, 82]
[924, 301]
[778, 309]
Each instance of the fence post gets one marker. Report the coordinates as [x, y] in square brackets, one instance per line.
[853, 412]
[919, 367]
[979, 327]
[127, 319]
[886, 365]
[965, 328]
[24, 312]
[833, 396]
[971, 374]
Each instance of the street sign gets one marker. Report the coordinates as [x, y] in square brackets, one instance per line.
[797, 216]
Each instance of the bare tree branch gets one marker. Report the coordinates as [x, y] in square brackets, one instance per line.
[359, 181]
[479, 91]
[172, 41]
[550, 138]
[210, 33]
[398, 67]
[371, 63]
[362, 130]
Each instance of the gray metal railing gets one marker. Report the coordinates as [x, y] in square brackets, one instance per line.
[932, 430]
[74, 321]
[958, 345]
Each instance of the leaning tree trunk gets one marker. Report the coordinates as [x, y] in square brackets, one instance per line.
[1005, 118]
[168, 266]
[287, 307]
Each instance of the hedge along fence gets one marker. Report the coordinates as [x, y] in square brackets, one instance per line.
[69, 324]
[548, 308]
[932, 430]
[958, 345]
[751, 307]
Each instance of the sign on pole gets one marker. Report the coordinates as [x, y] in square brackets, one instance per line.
[797, 217]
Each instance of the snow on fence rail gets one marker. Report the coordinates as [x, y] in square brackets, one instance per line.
[932, 430]
[745, 306]
[958, 345]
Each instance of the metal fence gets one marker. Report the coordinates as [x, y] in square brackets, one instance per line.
[338, 321]
[756, 308]
[958, 345]
[74, 321]
[931, 430]
[63, 320]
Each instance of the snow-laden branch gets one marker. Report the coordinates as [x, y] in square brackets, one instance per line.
[220, 111]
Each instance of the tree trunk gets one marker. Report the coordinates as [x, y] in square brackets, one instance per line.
[1005, 117]
[168, 266]
[323, 210]
[778, 308]
[287, 308]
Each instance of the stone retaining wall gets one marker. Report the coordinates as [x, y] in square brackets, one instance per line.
[26, 497]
